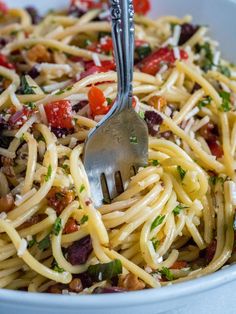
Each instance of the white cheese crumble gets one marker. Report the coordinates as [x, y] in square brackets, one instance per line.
[22, 247]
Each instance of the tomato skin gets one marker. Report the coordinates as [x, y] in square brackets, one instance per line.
[179, 265]
[97, 101]
[152, 63]
[19, 118]
[5, 63]
[3, 8]
[90, 68]
[216, 148]
[141, 6]
[104, 46]
[59, 114]
[71, 226]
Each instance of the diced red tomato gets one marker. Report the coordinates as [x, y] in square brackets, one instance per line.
[104, 46]
[3, 8]
[179, 265]
[97, 102]
[152, 63]
[71, 226]
[216, 148]
[5, 63]
[90, 68]
[141, 6]
[20, 117]
[59, 114]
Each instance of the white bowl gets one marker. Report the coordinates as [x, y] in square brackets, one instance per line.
[210, 294]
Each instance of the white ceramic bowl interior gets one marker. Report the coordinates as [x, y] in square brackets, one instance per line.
[210, 294]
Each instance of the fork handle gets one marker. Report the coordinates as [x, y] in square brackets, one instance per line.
[122, 14]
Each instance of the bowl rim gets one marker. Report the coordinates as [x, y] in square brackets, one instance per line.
[171, 292]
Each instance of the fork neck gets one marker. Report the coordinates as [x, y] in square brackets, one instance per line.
[122, 14]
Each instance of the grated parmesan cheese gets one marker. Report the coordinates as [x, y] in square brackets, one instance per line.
[15, 101]
[73, 142]
[216, 58]
[189, 125]
[176, 34]
[26, 126]
[199, 124]
[52, 87]
[65, 68]
[96, 59]
[192, 113]
[43, 114]
[232, 192]
[176, 53]
[23, 198]
[22, 247]
[163, 69]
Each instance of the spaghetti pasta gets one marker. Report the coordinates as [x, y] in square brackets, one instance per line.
[174, 220]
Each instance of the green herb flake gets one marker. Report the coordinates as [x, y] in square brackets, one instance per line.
[141, 114]
[226, 104]
[155, 163]
[84, 219]
[178, 208]
[57, 268]
[32, 242]
[109, 101]
[224, 70]
[15, 32]
[26, 89]
[209, 56]
[165, 272]
[143, 51]
[31, 105]
[157, 222]
[60, 92]
[57, 226]
[181, 172]
[66, 168]
[49, 173]
[107, 271]
[205, 102]
[155, 243]
[133, 140]
[215, 179]
[82, 188]
[44, 243]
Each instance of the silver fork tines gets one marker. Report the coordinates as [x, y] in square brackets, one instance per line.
[119, 143]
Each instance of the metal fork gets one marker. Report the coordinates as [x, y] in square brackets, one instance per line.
[118, 146]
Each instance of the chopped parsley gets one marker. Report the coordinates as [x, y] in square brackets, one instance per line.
[215, 179]
[82, 188]
[178, 208]
[49, 173]
[60, 92]
[209, 56]
[133, 139]
[224, 70]
[155, 162]
[57, 268]
[158, 221]
[109, 101]
[31, 105]
[84, 219]
[181, 172]
[143, 51]
[106, 271]
[226, 104]
[66, 168]
[165, 272]
[205, 102]
[44, 243]
[59, 196]
[32, 242]
[141, 114]
[25, 88]
[57, 227]
[155, 243]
